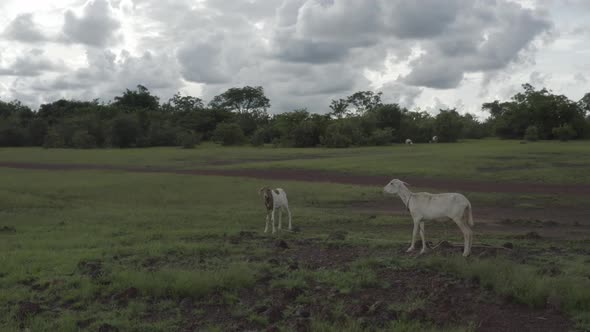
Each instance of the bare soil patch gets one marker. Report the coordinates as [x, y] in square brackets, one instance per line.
[431, 297]
[331, 177]
[555, 219]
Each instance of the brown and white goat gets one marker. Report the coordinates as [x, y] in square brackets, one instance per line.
[275, 199]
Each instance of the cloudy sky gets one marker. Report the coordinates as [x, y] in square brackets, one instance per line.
[427, 53]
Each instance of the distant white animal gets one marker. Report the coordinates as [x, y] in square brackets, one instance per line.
[425, 206]
[409, 141]
[434, 139]
[275, 199]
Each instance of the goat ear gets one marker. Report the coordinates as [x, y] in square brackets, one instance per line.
[406, 184]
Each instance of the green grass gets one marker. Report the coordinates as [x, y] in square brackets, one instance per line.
[489, 159]
[570, 291]
[170, 236]
[185, 283]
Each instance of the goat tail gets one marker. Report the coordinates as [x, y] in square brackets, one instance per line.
[468, 215]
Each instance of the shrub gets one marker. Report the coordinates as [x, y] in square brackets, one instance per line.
[54, 139]
[336, 140]
[448, 126]
[531, 133]
[258, 137]
[83, 140]
[125, 131]
[13, 136]
[229, 134]
[305, 135]
[381, 137]
[188, 139]
[564, 132]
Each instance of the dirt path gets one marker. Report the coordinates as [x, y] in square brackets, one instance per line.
[331, 177]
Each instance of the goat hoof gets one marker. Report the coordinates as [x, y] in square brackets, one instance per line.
[410, 249]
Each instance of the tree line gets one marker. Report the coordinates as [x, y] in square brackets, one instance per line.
[240, 116]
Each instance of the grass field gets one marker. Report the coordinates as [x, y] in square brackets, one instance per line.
[91, 250]
[490, 159]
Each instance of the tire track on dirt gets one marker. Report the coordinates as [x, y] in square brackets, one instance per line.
[327, 177]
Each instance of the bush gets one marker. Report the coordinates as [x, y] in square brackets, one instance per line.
[163, 135]
[531, 133]
[229, 134]
[305, 135]
[13, 136]
[381, 137]
[258, 137]
[54, 139]
[448, 126]
[564, 132]
[83, 140]
[334, 138]
[188, 139]
[125, 131]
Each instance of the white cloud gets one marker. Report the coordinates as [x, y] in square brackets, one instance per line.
[303, 52]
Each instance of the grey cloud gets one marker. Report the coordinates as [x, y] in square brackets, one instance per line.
[309, 51]
[486, 38]
[252, 9]
[399, 93]
[439, 74]
[539, 80]
[580, 78]
[107, 75]
[421, 19]
[33, 63]
[96, 27]
[24, 29]
[202, 62]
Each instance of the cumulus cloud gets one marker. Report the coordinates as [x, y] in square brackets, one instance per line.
[24, 29]
[483, 38]
[108, 74]
[303, 52]
[97, 26]
[32, 63]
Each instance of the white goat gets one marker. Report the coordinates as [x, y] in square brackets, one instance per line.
[275, 199]
[409, 141]
[426, 206]
[434, 139]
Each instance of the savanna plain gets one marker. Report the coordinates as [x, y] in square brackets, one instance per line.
[168, 239]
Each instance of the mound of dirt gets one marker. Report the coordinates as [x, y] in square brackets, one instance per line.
[529, 236]
[108, 328]
[126, 295]
[27, 309]
[281, 244]
[91, 268]
[7, 229]
[337, 236]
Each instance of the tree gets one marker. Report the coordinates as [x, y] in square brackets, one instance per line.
[447, 125]
[388, 116]
[364, 101]
[125, 131]
[564, 132]
[138, 99]
[531, 133]
[242, 100]
[229, 134]
[339, 108]
[183, 104]
[539, 108]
